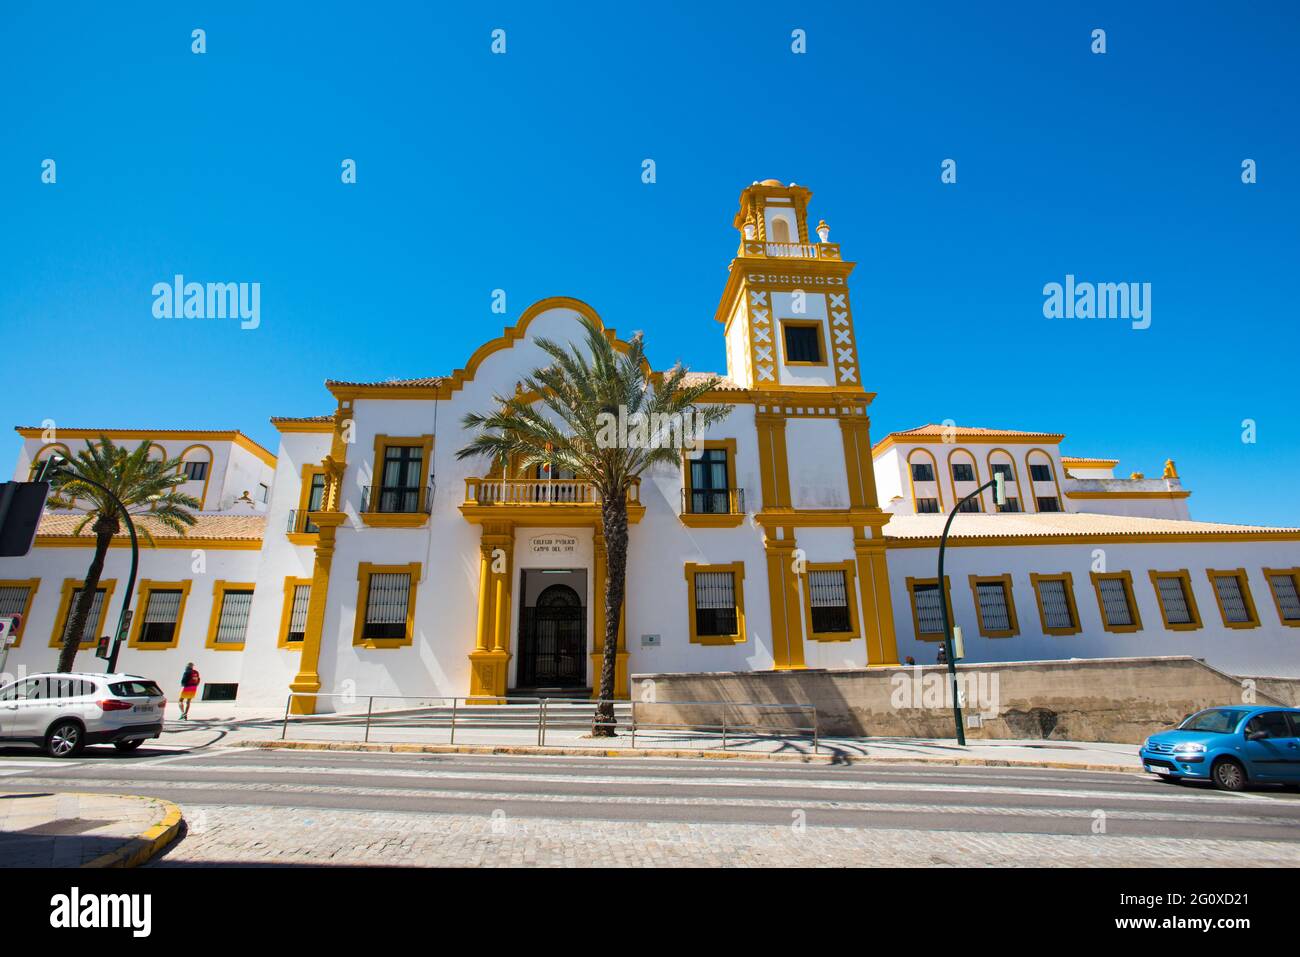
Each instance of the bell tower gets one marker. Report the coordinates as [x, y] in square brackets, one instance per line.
[785, 310]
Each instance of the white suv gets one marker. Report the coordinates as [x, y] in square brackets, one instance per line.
[64, 712]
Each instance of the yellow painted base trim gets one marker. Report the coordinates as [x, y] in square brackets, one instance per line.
[488, 676]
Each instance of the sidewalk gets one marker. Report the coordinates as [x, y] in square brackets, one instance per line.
[71, 829]
[225, 725]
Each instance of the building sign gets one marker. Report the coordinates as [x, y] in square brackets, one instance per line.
[553, 545]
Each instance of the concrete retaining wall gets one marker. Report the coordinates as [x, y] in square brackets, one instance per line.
[1110, 699]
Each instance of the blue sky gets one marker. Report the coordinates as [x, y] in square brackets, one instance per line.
[522, 172]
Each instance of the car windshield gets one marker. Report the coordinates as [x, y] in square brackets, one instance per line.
[1217, 720]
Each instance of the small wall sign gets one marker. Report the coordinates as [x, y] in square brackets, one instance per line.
[553, 545]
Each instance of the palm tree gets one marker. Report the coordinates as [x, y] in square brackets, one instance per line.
[146, 486]
[578, 398]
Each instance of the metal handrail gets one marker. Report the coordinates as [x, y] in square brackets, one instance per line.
[423, 500]
[543, 706]
[734, 498]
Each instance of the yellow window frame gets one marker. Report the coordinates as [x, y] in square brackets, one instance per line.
[849, 568]
[299, 536]
[1127, 578]
[737, 570]
[364, 571]
[1243, 583]
[1294, 574]
[1185, 577]
[912, 584]
[31, 584]
[65, 609]
[219, 589]
[733, 517]
[372, 515]
[820, 326]
[147, 588]
[286, 613]
[1068, 580]
[1008, 595]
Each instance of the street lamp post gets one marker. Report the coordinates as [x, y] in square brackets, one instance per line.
[1000, 497]
[57, 463]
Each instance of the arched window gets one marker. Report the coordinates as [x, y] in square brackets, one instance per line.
[780, 231]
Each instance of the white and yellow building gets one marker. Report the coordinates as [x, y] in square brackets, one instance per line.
[364, 556]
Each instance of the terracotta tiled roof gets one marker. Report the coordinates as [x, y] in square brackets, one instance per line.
[932, 429]
[302, 418]
[1061, 524]
[723, 385]
[211, 527]
[1068, 459]
[423, 382]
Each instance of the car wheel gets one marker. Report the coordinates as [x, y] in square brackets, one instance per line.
[126, 746]
[65, 740]
[1228, 775]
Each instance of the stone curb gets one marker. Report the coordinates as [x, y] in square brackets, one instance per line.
[584, 752]
[144, 846]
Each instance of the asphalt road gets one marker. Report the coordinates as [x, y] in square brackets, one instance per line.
[248, 805]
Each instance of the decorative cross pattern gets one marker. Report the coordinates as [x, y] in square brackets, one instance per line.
[761, 331]
[846, 359]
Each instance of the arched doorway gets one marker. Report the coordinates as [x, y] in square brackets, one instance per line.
[553, 640]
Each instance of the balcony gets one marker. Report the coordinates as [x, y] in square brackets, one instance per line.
[299, 527]
[541, 502]
[713, 508]
[396, 506]
[757, 248]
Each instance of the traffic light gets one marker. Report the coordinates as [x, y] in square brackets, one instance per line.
[21, 504]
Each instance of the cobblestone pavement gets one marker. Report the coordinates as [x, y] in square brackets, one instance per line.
[287, 836]
[247, 806]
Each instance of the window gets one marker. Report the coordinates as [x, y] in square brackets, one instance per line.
[709, 484]
[922, 472]
[16, 599]
[927, 506]
[995, 606]
[1232, 593]
[927, 616]
[1115, 599]
[68, 605]
[1040, 473]
[1003, 469]
[1048, 503]
[1284, 583]
[399, 480]
[263, 492]
[963, 472]
[159, 625]
[1011, 505]
[831, 602]
[1057, 611]
[385, 605]
[1273, 723]
[969, 505]
[717, 603]
[231, 604]
[780, 230]
[218, 691]
[195, 471]
[293, 616]
[803, 343]
[1177, 603]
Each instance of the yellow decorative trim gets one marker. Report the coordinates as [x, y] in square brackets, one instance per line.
[1019, 491]
[912, 583]
[232, 436]
[822, 518]
[299, 536]
[1123, 494]
[286, 613]
[315, 426]
[851, 593]
[1068, 580]
[1277, 603]
[40, 455]
[1033, 486]
[1008, 594]
[32, 585]
[145, 589]
[957, 435]
[805, 324]
[737, 570]
[1247, 598]
[1083, 463]
[364, 571]
[207, 474]
[1185, 577]
[65, 609]
[1088, 538]
[180, 541]
[975, 469]
[1127, 578]
[938, 482]
[219, 589]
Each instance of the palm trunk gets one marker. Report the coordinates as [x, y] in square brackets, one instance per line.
[72, 636]
[613, 516]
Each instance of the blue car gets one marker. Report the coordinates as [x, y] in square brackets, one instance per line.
[1229, 747]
